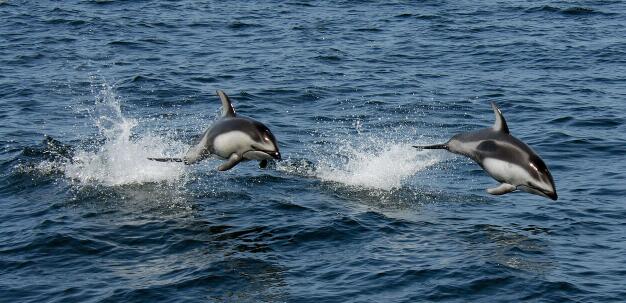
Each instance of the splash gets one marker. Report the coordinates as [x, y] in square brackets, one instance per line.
[122, 159]
[376, 163]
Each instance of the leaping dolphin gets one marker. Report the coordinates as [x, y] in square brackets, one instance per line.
[505, 158]
[234, 138]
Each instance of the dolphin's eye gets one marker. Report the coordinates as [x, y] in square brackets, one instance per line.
[266, 138]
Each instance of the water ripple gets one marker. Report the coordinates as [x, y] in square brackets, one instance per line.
[353, 213]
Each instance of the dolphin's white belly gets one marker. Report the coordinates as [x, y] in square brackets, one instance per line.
[505, 172]
[232, 142]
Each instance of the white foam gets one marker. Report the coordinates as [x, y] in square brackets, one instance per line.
[122, 159]
[376, 164]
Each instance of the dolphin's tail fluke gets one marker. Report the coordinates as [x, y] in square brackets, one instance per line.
[435, 146]
[167, 159]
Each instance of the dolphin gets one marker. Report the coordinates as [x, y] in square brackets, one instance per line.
[505, 158]
[233, 138]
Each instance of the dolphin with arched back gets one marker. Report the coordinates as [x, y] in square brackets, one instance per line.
[505, 158]
[233, 138]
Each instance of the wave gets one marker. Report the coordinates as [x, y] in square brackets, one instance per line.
[567, 11]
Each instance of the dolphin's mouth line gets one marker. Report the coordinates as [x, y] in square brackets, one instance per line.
[266, 151]
[549, 194]
[273, 154]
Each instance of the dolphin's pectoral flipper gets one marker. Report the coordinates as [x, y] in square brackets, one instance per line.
[435, 146]
[504, 188]
[227, 106]
[233, 160]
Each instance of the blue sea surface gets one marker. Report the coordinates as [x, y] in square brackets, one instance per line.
[89, 89]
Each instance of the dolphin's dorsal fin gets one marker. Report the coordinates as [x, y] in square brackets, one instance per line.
[227, 107]
[500, 124]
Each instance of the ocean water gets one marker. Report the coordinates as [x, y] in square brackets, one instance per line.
[89, 89]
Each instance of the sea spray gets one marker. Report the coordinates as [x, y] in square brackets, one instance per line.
[384, 167]
[357, 158]
[122, 159]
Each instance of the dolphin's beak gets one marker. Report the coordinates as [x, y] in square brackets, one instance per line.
[548, 193]
[275, 155]
[552, 195]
